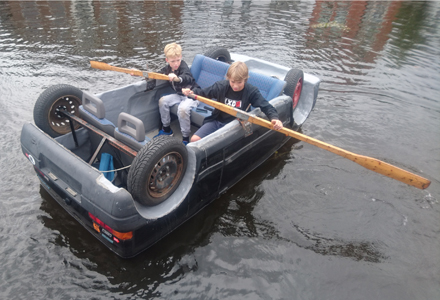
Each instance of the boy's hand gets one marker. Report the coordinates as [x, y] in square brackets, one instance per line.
[277, 124]
[186, 92]
[171, 76]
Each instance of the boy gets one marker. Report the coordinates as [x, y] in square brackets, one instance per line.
[176, 67]
[235, 92]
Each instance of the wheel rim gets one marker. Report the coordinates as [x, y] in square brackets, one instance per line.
[165, 175]
[297, 92]
[58, 122]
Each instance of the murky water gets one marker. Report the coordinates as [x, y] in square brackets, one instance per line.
[305, 225]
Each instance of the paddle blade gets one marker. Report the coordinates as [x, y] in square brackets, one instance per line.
[107, 67]
[370, 163]
[151, 75]
[391, 171]
[100, 65]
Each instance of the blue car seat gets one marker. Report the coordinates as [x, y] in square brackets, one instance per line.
[269, 87]
[93, 111]
[206, 71]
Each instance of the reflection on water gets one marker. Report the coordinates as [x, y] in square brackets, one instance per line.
[358, 31]
[132, 28]
[93, 28]
[357, 250]
[234, 222]
[301, 218]
[162, 262]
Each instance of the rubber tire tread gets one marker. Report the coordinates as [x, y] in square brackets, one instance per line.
[45, 101]
[145, 161]
[221, 54]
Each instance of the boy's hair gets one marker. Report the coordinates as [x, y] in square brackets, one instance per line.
[238, 71]
[172, 50]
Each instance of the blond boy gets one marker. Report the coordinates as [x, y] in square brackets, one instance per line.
[176, 67]
[235, 92]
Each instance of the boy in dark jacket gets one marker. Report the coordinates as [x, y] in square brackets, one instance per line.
[235, 92]
[177, 68]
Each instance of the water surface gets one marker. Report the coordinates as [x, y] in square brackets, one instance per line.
[307, 224]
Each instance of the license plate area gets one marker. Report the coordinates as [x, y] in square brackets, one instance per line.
[104, 233]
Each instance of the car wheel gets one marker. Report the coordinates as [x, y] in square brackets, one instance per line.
[157, 170]
[47, 109]
[294, 79]
[221, 54]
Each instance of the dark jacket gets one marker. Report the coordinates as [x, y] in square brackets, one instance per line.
[183, 72]
[251, 95]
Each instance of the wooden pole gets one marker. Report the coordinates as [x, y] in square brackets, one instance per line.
[370, 163]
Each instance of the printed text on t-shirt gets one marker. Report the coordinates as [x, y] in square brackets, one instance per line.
[233, 103]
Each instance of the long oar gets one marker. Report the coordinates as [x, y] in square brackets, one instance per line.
[151, 75]
[365, 161]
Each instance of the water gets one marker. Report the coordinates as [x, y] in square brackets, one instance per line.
[307, 224]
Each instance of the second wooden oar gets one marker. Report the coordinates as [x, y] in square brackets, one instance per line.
[151, 75]
[365, 161]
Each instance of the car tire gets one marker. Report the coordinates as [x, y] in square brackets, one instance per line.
[50, 102]
[221, 54]
[294, 79]
[157, 170]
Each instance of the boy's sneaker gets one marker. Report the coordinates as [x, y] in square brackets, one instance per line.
[185, 140]
[163, 132]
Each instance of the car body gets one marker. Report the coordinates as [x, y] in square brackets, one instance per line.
[68, 163]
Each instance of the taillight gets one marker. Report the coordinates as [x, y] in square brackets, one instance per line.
[116, 234]
[297, 92]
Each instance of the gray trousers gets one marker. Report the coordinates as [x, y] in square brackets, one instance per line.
[183, 111]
